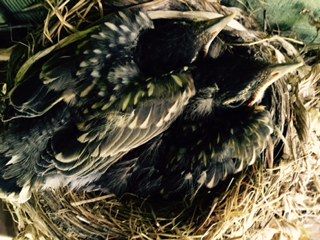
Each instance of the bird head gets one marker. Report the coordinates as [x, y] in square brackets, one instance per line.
[276, 72]
[233, 81]
[173, 44]
[255, 88]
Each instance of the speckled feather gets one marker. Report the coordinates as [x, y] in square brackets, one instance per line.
[219, 134]
[201, 154]
[112, 108]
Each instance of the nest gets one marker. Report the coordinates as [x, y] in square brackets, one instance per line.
[279, 202]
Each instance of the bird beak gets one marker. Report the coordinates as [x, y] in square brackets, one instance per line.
[211, 28]
[276, 73]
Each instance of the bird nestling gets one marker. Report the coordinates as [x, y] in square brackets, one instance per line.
[223, 129]
[89, 104]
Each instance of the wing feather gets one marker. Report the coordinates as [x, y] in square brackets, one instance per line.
[93, 155]
[72, 135]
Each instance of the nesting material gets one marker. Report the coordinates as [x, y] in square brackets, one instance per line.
[278, 202]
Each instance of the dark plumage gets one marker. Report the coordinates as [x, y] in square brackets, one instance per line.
[188, 40]
[222, 130]
[89, 104]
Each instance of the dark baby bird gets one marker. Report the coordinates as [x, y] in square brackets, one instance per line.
[89, 104]
[223, 129]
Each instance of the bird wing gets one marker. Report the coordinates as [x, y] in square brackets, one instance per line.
[72, 71]
[238, 138]
[95, 144]
[56, 147]
[191, 156]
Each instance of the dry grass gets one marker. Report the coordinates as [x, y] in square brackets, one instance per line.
[67, 17]
[261, 204]
[63, 17]
[275, 203]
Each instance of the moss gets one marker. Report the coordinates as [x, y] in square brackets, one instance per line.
[284, 15]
